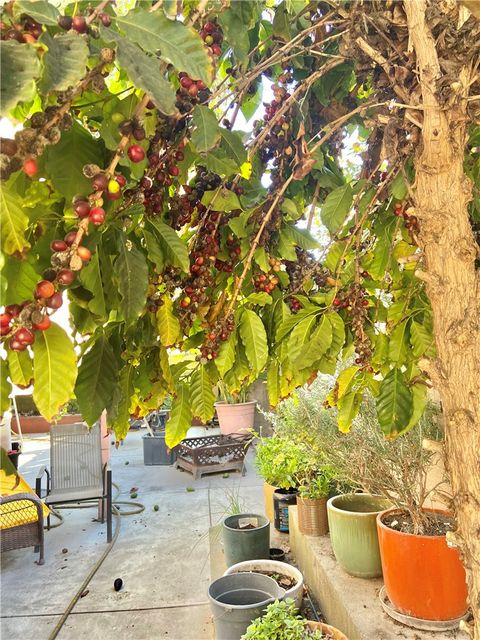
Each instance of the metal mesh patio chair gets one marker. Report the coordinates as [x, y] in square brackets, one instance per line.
[77, 473]
[21, 523]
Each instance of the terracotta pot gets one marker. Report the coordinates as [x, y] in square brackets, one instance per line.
[353, 532]
[424, 578]
[235, 418]
[268, 491]
[329, 631]
[312, 516]
[38, 424]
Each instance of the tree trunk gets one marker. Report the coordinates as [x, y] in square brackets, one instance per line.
[441, 193]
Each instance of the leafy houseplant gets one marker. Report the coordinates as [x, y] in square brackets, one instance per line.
[281, 622]
[280, 462]
[312, 501]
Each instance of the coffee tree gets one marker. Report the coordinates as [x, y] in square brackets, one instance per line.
[181, 236]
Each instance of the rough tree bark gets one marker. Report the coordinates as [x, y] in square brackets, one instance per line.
[442, 192]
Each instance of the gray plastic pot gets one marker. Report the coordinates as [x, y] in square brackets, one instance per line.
[274, 566]
[246, 544]
[238, 599]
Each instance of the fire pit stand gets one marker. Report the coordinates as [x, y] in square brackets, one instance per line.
[211, 454]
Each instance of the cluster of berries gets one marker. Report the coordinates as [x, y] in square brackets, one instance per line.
[212, 35]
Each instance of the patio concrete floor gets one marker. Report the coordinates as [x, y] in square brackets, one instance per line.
[162, 556]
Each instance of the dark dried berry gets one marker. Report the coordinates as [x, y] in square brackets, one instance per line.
[118, 584]
[65, 22]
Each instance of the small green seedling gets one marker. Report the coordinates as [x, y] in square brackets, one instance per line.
[226, 475]
[189, 489]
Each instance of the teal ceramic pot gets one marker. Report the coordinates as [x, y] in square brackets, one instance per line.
[353, 532]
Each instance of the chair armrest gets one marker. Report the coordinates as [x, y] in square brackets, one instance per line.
[38, 481]
[31, 497]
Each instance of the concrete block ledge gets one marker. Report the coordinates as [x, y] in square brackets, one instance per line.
[348, 603]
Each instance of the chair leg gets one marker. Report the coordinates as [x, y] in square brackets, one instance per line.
[41, 558]
[109, 505]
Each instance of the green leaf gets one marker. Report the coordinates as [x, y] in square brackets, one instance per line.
[291, 321]
[301, 237]
[289, 206]
[300, 337]
[254, 339]
[344, 383]
[5, 389]
[398, 346]
[14, 221]
[91, 278]
[273, 383]
[177, 43]
[118, 415]
[20, 278]
[180, 417]
[261, 258]
[132, 272]
[223, 200]
[226, 355]
[422, 340]
[154, 251]
[380, 258]
[202, 395]
[97, 379]
[173, 248]
[281, 25]
[65, 160]
[286, 245]
[338, 334]
[144, 71]
[336, 207]
[348, 407]
[40, 10]
[318, 344]
[419, 402]
[207, 132]
[334, 255]
[54, 370]
[260, 298]
[20, 367]
[394, 403]
[239, 225]
[64, 64]
[398, 187]
[236, 21]
[19, 66]
[233, 144]
[217, 162]
[167, 323]
[165, 368]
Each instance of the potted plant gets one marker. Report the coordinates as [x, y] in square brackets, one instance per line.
[281, 622]
[32, 422]
[312, 501]
[424, 577]
[235, 413]
[281, 463]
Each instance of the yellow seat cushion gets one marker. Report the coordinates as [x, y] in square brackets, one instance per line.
[13, 514]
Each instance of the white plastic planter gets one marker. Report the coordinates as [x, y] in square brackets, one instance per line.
[273, 566]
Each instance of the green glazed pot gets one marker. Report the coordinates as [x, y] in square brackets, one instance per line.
[353, 532]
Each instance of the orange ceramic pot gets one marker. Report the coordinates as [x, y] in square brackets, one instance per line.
[424, 578]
